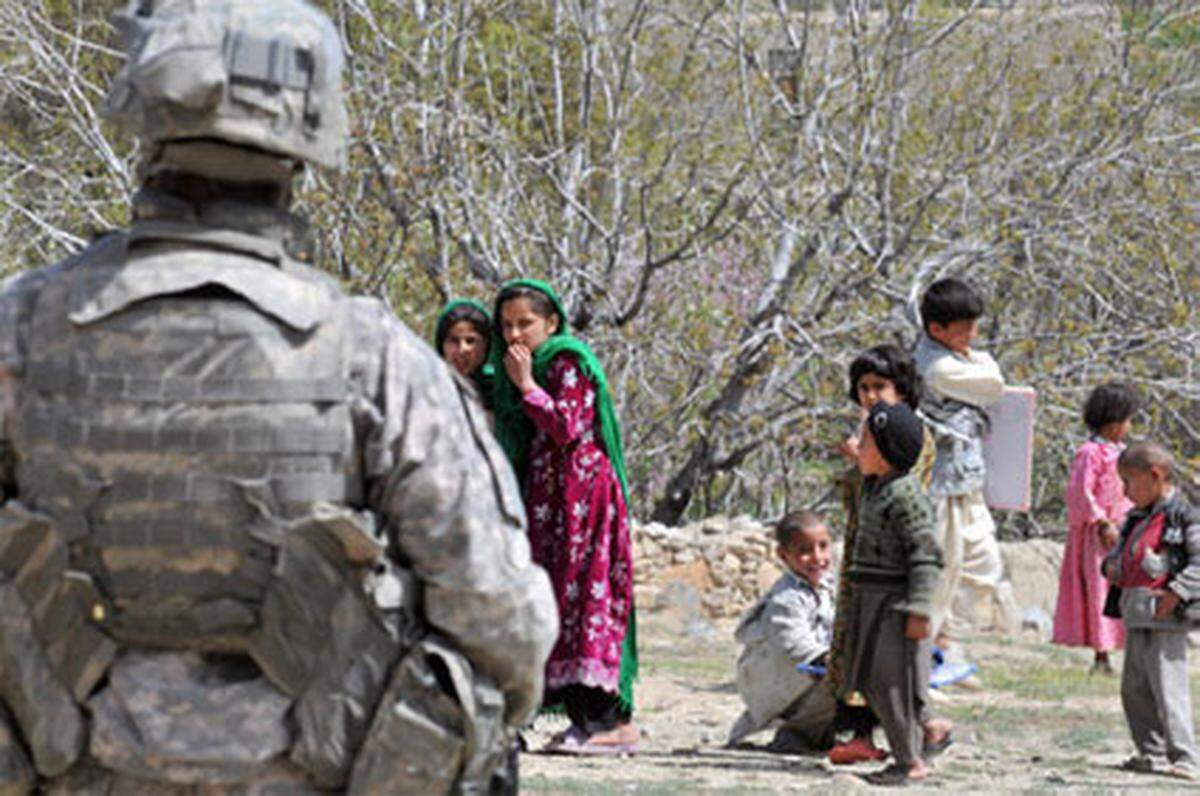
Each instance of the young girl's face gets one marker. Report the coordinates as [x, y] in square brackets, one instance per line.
[520, 325]
[870, 460]
[464, 348]
[809, 553]
[873, 388]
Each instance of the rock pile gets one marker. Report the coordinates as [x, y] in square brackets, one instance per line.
[729, 562]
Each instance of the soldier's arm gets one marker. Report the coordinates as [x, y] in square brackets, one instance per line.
[8, 407]
[452, 505]
[14, 305]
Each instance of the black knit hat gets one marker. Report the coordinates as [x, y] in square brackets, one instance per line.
[898, 432]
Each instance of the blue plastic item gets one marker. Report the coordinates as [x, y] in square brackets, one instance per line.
[942, 674]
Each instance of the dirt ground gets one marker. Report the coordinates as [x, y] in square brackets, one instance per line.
[1035, 721]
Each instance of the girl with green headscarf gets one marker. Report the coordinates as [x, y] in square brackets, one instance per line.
[555, 420]
[462, 338]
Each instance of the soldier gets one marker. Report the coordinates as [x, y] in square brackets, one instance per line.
[255, 536]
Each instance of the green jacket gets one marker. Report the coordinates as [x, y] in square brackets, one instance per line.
[896, 545]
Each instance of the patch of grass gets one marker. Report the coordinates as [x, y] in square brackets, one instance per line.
[994, 719]
[1051, 682]
[541, 784]
[1085, 737]
[698, 670]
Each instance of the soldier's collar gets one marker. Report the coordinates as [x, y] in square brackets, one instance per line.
[287, 229]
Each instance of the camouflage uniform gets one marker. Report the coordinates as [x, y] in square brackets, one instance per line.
[894, 571]
[254, 529]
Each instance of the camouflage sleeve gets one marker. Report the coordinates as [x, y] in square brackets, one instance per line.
[445, 489]
[15, 295]
[912, 515]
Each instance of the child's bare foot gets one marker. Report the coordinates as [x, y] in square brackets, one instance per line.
[559, 739]
[1183, 771]
[621, 734]
[621, 740]
[939, 734]
[1102, 665]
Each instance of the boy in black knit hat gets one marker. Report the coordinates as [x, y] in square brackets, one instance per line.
[896, 567]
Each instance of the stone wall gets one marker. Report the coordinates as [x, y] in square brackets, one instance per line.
[729, 562]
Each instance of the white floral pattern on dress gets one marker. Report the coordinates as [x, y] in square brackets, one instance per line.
[584, 543]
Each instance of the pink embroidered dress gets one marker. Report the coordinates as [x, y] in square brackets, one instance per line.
[1094, 492]
[578, 529]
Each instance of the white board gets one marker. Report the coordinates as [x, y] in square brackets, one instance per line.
[1008, 450]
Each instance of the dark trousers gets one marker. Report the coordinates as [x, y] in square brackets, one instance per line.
[592, 709]
[857, 719]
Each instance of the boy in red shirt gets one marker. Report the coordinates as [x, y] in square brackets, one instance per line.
[1156, 564]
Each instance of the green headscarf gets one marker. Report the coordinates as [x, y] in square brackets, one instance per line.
[485, 375]
[515, 431]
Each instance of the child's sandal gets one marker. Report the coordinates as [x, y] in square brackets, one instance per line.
[857, 750]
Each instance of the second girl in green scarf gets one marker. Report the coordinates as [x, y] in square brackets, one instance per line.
[555, 419]
[462, 338]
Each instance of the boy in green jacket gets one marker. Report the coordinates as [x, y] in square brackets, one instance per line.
[896, 568]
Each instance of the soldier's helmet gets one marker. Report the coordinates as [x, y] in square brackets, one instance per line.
[263, 74]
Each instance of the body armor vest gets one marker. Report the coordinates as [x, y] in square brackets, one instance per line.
[177, 408]
[189, 480]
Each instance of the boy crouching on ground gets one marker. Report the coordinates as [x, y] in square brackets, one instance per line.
[791, 624]
[1156, 565]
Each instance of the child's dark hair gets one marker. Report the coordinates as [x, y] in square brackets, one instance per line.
[892, 363]
[950, 300]
[463, 312]
[1141, 456]
[794, 524]
[1113, 402]
[539, 302]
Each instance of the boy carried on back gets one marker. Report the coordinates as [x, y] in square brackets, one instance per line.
[791, 624]
[1156, 565]
[959, 383]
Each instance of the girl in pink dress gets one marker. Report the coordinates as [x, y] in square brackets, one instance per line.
[1096, 506]
[555, 419]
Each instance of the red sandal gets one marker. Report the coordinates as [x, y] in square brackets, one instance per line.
[856, 750]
